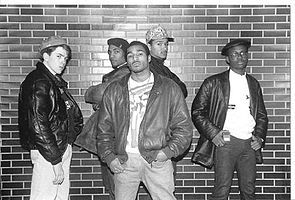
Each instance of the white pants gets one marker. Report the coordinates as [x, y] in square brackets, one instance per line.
[42, 187]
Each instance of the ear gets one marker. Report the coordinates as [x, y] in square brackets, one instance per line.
[149, 46]
[149, 58]
[45, 56]
[227, 60]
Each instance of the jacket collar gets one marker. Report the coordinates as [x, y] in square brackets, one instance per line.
[57, 79]
[157, 80]
[224, 79]
[157, 61]
[253, 93]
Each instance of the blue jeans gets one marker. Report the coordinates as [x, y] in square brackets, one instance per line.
[157, 177]
[238, 155]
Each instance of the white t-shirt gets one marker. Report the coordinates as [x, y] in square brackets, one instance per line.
[138, 97]
[239, 121]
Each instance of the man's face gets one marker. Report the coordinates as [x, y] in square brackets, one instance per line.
[116, 56]
[57, 60]
[137, 59]
[237, 58]
[159, 48]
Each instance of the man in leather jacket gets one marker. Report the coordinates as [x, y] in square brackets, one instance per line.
[49, 121]
[117, 55]
[143, 123]
[229, 113]
[158, 40]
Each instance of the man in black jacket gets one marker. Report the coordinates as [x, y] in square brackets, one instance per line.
[230, 115]
[49, 121]
[158, 40]
[117, 55]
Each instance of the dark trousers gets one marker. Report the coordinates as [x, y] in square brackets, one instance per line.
[236, 155]
[108, 180]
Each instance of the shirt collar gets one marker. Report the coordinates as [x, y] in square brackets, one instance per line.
[121, 65]
[234, 74]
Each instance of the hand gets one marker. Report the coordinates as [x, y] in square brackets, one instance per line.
[95, 106]
[218, 139]
[59, 174]
[116, 166]
[256, 143]
[161, 157]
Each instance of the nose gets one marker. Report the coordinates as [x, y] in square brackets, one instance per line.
[63, 61]
[165, 46]
[135, 57]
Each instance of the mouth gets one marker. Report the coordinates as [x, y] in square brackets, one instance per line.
[135, 64]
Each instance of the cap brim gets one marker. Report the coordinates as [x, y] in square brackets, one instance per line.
[170, 39]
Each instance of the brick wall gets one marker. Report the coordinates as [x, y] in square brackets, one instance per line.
[200, 33]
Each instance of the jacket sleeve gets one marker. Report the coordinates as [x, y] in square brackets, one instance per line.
[261, 118]
[202, 110]
[180, 84]
[105, 131]
[76, 125]
[42, 106]
[180, 125]
[175, 78]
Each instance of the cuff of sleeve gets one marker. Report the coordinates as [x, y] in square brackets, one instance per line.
[110, 158]
[56, 161]
[168, 152]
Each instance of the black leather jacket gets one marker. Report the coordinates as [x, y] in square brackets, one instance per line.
[166, 124]
[86, 139]
[157, 66]
[209, 110]
[43, 120]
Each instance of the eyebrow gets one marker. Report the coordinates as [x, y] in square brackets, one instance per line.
[66, 56]
[140, 50]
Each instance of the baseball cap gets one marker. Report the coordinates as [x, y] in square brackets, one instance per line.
[119, 42]
[52, 41]
[235, 43]
[157, 32]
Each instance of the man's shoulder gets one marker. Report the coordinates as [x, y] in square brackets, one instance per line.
[117, 73]
[166, 81]
[220, 75]
[37, 76]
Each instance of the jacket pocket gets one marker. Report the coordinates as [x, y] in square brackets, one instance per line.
[158, 164]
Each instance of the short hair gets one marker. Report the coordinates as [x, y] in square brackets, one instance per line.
[133, 43]
[50, 49]
[120, 43]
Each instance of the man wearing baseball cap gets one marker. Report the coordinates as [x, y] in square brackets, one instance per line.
[117, 48]
[230, 115]
[49, 121]
[157, 40]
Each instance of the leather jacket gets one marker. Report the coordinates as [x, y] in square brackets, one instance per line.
[86, 140]
[94, 93]
[166, 124]
[157, 66]
[209, 110]
[44, 123]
